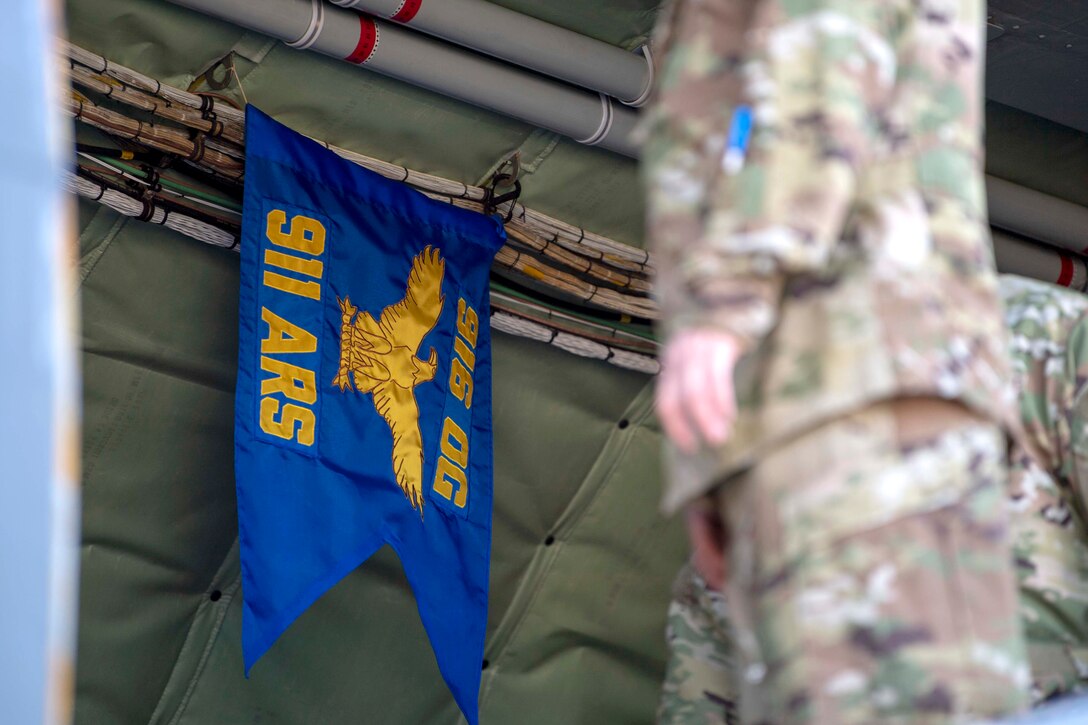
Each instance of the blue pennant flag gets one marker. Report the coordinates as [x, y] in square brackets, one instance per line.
[363, 409]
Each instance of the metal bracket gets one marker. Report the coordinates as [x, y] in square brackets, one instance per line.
[208, 76]
[492, 200]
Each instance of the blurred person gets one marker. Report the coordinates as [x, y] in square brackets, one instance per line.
[1049, 501]
[835, 379]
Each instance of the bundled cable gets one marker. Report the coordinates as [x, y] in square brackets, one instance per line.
[620, 291]
[149, 211]
[156, 136]
[573, 286]
[602, 272]
[153, 180]
[550, 230]
[613, 289]
[619, 334]
[575, 239]
[509, 315]
[134, 79]
[183, 115]
[522, 327]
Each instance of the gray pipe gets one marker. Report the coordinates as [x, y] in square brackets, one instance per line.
[1017, 256]
[1037, 215]
[445, 69]
[402, 54]
[523, 40]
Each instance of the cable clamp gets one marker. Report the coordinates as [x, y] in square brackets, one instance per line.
[651, 76]
[154, 179]
[492, 199]
[197, 154]
[313, 30]
[605, 125]
[148, 211]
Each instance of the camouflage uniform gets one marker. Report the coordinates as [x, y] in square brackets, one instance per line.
[701, 685]
[1049, 491]
[1049, 329]
[849, 253]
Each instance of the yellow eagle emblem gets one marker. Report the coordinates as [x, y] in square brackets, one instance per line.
[380, 358]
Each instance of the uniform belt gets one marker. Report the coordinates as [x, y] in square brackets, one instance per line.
[920, 419]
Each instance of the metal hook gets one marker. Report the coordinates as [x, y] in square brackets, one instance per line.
[227, 64]
[513, 163]
[493, 200]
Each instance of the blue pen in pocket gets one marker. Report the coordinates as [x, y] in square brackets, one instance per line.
[740, 134]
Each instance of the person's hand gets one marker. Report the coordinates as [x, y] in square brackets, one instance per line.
[695, 398]
[707, 536]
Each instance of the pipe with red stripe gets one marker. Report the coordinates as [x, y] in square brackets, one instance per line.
[395, 51]
[523, 40]
[1015, 255]
[1037, 215]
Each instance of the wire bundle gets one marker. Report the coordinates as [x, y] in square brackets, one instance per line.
[149, 211]
[207, 123]
[134, 79]
[584, 242]
[562, 257]
[156, 136]
[523, 327]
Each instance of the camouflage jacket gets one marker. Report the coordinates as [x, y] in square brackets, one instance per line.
[1049, 486]
[847, 244]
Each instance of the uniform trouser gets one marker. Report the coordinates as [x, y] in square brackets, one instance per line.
[1050, 545]
[870, 580]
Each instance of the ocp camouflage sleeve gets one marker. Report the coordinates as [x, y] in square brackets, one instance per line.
[701, 680]
[812, 74]
[851, 243]
[1049, 478]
